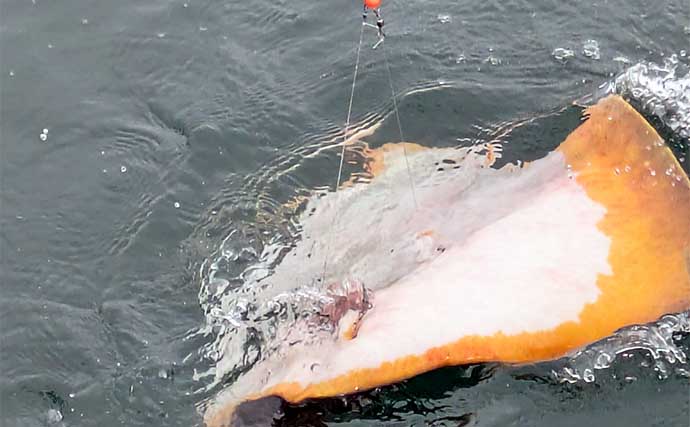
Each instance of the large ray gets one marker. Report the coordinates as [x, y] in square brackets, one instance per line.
[512, 265]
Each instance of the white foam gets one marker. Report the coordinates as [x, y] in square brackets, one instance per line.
[661, 90]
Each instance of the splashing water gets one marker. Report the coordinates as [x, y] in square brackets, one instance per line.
[590, 49]
[233, 312]
[562, 54]
[660, 90]
[246, 325]
[659, 340]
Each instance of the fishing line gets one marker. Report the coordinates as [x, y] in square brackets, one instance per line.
[349, 110]
[347, 127]
[342, 150]
[397, 118]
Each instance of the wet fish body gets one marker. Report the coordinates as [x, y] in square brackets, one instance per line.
[512, 265]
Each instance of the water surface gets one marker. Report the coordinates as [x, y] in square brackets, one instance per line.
[172, 125]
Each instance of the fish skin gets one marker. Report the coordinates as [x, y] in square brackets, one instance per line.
[605, 238]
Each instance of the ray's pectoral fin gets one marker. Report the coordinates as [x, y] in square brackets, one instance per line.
[624, 165]
[603, 243]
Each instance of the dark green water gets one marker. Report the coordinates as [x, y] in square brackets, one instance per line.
[168, 123]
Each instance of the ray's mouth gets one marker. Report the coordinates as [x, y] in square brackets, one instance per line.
[343, 298]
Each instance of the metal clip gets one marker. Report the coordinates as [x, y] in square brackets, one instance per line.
[378, 26]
